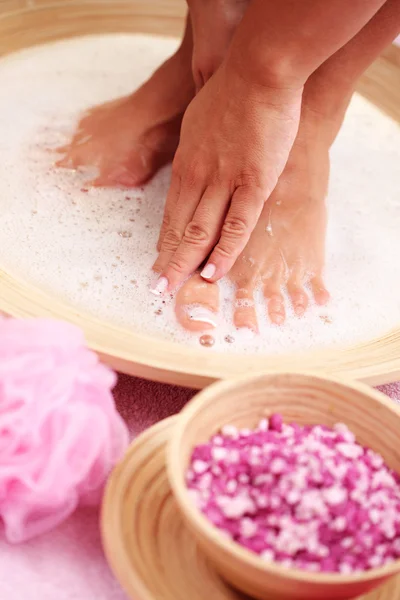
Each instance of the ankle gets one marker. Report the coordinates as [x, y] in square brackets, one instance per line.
[325, 101]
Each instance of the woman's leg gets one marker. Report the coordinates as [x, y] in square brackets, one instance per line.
[296, 210]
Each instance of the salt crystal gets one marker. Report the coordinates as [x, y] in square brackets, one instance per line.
[219, 453]
[199, 466]
[335, 495]
[229, 431]
[352, 451]
[248, 528]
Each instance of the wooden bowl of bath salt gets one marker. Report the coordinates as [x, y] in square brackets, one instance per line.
[150, 548]
[25, 24]
[242, 405]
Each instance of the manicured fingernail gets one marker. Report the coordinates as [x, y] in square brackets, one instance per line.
[208, 271]
[160, 286]
[199, 313]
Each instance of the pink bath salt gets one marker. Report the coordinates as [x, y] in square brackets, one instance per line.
[60, 432]
[309, 497]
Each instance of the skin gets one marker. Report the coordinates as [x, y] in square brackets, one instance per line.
[294, 255]
[224, 173]
[221, 172]
[130, 138]
[294, 206]
[213, 24]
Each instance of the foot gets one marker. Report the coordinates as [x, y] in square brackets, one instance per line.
[129, 139]
[286, 249]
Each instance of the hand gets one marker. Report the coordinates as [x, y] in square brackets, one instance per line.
[235, 140]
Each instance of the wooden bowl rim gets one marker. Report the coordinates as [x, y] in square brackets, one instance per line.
[189, 413]
[113, 545]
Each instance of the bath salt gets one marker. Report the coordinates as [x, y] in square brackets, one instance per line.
[308, 497]
[93, 248]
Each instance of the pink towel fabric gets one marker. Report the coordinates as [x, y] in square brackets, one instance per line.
[68, 564]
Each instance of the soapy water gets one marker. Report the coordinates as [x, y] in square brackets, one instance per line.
[94, 248]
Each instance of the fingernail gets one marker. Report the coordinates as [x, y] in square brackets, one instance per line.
[156, 267]
[299, 310]
[160, 286]
[208, 271]
[199, 313]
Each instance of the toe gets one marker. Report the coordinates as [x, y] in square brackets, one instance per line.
[119, 176]
[320, 293]
[197, 304]
[244, 312]
[275, 301]
[297, 293]
[66, 162]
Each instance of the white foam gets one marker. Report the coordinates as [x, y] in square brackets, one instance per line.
[73, 243]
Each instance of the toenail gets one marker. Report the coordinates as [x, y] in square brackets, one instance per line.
[160, 287]
[277, 319]
[203, 315]
[246, 334]
[208, 271]
[244, 303]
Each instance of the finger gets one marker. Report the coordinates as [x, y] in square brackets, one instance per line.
[246, 206]
[320, 293]
[183, 211]
[172, 199]
[274, 298]
[200, 236]
[297, 293]
[244, 311]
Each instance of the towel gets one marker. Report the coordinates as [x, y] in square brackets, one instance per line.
[68, 563]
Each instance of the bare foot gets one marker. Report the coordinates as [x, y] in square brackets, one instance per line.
[129, 139]
[287, 247]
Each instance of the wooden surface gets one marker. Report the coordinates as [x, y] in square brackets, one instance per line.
[381, 82]
[151, 551]
[27, 22]
[303, 399]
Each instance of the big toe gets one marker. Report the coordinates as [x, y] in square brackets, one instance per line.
[197, 304]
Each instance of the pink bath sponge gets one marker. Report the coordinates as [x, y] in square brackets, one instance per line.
[60, 433]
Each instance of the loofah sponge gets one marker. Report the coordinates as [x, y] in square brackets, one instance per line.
[60, 433]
